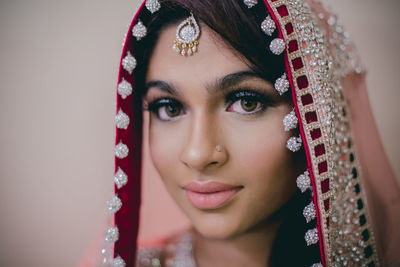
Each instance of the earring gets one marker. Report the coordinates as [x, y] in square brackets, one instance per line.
[218, 148]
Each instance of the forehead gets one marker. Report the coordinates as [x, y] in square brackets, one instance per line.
[214, 59]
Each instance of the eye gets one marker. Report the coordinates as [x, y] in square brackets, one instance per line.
[166, 109]
[246, 102]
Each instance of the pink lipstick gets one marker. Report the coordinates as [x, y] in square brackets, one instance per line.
[211, 195]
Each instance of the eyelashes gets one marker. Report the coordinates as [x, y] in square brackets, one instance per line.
[246, 102]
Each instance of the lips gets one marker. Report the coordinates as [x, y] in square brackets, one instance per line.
[211, 195]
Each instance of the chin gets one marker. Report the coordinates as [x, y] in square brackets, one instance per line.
[216, 226]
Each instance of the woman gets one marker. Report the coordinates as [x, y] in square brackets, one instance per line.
[247, 99]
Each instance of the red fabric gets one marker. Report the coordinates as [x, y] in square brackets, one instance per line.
[311, 117]
[302, 133]
[326, 204]
[293, 46]
[306, 99]
[322, 167]
[302, 82]
[289, 28]
[325, 185]
[319, 150]
[316, 133]
[127, 218]
[297, 63]
[282, 10]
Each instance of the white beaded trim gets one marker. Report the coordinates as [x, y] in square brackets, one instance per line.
[277, 46]
[311, 237]
[303, 181]
[268, 26]
[121, 150]
[282, 84]
[112, 235]
[139, 30]
[294, 143]
[309, 212]
[153, 5]
[114, 204]
[120, 178]
[250, 3]
[290, 121]
[124, 89]
[119, 262]
[129, 63]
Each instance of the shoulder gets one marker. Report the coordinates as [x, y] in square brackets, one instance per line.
[166, 252]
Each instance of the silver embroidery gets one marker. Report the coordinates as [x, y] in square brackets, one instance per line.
[120, 178]
[121, 120]
[153, 5]
[250, 3]
[124, 88]
[303, 181]
[139, 30]
[121, 150]
[114, 204]
[309, 212]
[129, 63]
[290, 121]
[277, 46]
[282, 84]
[311, 237]
[294, 143]
[268, 25]
[119, 262]
[112, 234]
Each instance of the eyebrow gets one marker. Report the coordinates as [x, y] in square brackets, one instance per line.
[221, 84]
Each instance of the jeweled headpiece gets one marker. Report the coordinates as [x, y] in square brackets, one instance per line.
[187, 36]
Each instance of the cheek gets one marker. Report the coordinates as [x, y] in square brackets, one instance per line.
[162, 148]
[165, 146]
[268, 166]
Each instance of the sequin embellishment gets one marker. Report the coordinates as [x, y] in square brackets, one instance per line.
[120, 178]
[268, 26]
[311, 236]
[282, 84]
[153, 5]
[303, 181]
[124, 88]
[250, 3]
[294, 144]
[290, 121]
[121, 120]
[309, 212]
[114, 204]
[112, 234]
[121, 150]
[139, 30]
[119, 262]
[129, 63]
[277, 46]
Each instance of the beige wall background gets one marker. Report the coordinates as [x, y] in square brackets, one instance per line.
[58, 69]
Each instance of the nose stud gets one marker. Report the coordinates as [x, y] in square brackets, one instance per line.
[218, 148]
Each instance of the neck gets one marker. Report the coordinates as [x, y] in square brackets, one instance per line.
[249, 249]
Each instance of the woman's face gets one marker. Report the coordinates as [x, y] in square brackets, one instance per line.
[213, 99]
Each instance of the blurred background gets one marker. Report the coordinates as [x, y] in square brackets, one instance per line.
[58, 72]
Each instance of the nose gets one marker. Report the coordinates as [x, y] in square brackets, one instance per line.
[203, 148]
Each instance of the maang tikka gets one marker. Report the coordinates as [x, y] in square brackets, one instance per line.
[187, 35]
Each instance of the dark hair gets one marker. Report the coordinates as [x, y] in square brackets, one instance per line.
[239, 28]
